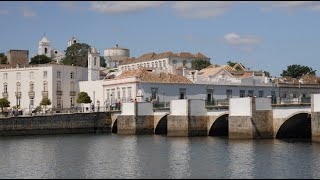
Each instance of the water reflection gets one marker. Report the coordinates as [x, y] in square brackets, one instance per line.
[115, 156]
[179, 157]
[241, 159]
[128, 158]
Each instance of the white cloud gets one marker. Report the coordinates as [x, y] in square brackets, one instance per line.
[235, 39]
[67, 4]
[4, 12]
[290, 5]
[201, 9]
[113, 7]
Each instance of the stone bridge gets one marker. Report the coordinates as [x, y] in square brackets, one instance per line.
[244, 118]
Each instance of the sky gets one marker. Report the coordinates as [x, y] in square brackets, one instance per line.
[261, 35]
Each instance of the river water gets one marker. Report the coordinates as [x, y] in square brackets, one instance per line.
[155, 156]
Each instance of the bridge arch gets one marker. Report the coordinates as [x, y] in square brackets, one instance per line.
[220, 127]
[161, 127]
[114, 127]
[297, 125]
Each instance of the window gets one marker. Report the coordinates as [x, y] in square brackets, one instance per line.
[209, 95]
[123, 93]
[45, 74]
[45, 86]
[95, 61]
[250, 93]
[72, 102]
[113, 94]
[32, 101]
[242, 93]
[5, 76]
[229, 93]
[58, 85]
[160, 64]
[284, 95]
[31, 87]
[118, 93]
[154, 93]
[174, 62]
[18, 75]
[129, 92]
[58, 102]
[72, 87]
[45, 50]
[18, 87]
[152, 64]
[72, 75]
[108, 94]
[294, 95]
[260, 93]
[156, 63]
[182, 93]
[184, 62]
[148, 65]
[59, 74]
[31, 75]
[164, 63]
[5, 87]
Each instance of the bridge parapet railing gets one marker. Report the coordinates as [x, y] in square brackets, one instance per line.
[300, 100]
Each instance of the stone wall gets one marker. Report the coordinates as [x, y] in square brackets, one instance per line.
[177, 125]
[57, 124]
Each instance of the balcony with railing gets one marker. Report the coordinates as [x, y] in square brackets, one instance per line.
[31, 94]
[161, 105]
[18, 94]
[290, 100]
[5, 94]
[45, 93]
[59, 93]
[72, 93]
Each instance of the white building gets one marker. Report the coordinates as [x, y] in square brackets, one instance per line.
[26, 86]
[166, 62]
[45, 48]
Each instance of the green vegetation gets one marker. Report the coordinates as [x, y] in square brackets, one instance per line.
[296, 71]
[103, 62]
[45, 102]
[3, 59]
[199, 64]
[40, 59]
[4, 103]
[77, 54]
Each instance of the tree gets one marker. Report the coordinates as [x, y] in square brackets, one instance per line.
[230, 63]
[45, 102]
[83, 98]
[3, 59]
[4, 103]
[199, 64]
[103, 62]
[76, 54]
[40, 59]
[296, 71]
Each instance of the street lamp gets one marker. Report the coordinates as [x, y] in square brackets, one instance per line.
[163, 93]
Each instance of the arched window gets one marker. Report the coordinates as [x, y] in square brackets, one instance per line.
[152, 64]
[160, 64]
[45, 86]
[31, 85]
[18, 87]
[156, 64]
[72, 88]
[58, 85]
[164, 63]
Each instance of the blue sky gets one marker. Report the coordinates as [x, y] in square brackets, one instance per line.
[261, 35]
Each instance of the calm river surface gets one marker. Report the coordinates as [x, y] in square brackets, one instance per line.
[155, 156]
